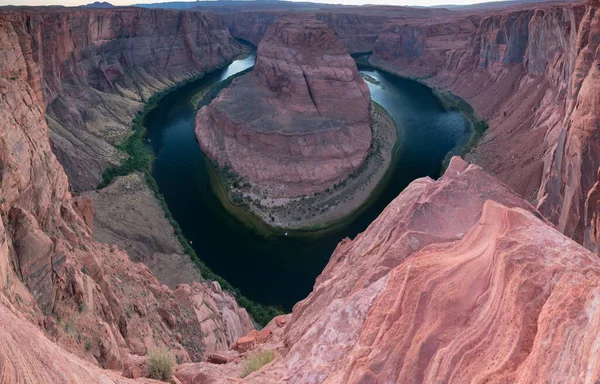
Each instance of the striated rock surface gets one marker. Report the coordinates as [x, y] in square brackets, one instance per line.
[27, 356]
[94, 68]
[458, 281]
[250, 25]
[570, 196]
[512, 66]
[357, 31]
[357, 28]
[299, 123]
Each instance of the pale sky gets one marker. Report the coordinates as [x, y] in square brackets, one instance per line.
[352, 2]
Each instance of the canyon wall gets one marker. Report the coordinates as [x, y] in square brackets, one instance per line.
[528, 72]
[299, 123]
[571, 190]
[250, 25]
[87, 297]
[357, 29]
[458, 280]
[93, 69]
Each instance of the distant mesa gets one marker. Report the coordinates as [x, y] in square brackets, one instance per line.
[99, 4]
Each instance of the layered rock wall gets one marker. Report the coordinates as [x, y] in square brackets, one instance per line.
[570, 195]
[357, 29]
[93, 69]
[250, 25]
[87, 297]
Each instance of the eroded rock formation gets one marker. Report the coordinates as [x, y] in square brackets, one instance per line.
[93, 69]
[357, 28]
[299, 123]
[459, 280]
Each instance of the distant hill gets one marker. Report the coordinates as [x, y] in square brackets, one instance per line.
[498, 4]
[98, 4]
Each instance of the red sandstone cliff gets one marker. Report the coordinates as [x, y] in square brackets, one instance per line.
[250, 25]
[92, 69]
[87, 297]
[570, 194]
[458, 280]
[299, 122]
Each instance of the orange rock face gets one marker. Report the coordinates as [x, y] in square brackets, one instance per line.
[299, 123]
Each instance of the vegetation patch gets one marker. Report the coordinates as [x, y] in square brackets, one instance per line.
[161, 364]
[140, 159]
[455, 103]
[256, 362]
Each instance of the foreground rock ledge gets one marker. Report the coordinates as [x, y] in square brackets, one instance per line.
[458, 281]
[299, 123]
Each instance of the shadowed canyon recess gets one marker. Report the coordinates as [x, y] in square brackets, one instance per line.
[115, 226]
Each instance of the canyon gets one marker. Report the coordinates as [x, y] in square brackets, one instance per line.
[488, 274]
[507, 65]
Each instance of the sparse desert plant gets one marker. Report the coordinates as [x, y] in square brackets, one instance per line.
[88, 345]
[161, 364]
[257, 361]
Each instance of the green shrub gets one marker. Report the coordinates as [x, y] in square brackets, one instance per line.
[161, 363]
[257, 361]
[88, 345]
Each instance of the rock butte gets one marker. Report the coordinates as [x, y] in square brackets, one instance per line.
[459, 280]
[299, 123]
